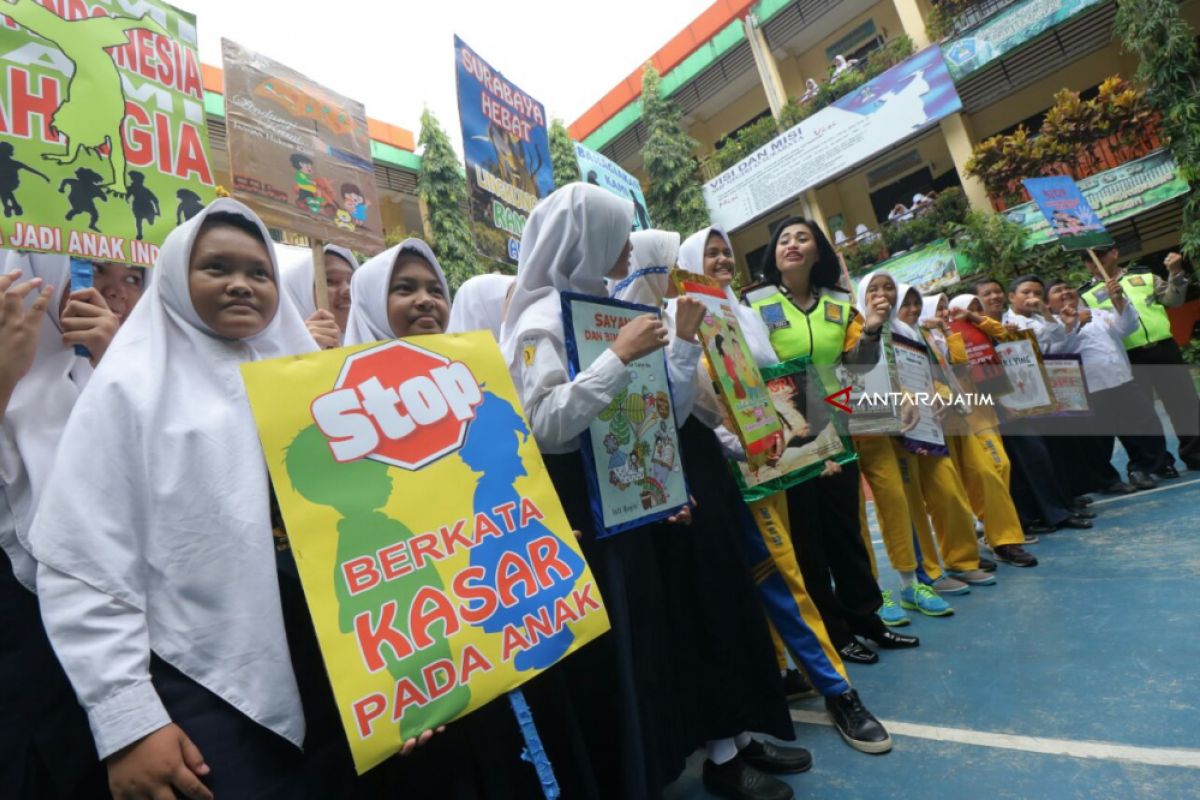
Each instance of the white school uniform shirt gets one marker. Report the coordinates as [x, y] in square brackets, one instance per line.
[37, 412]
[154, 533]
[570, 243]
[1052, 336]
[1101, 344]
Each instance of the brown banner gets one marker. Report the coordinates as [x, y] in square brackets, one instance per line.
[299, 153]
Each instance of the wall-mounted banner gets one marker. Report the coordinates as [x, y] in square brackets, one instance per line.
[1031, 395]
[927, 268]
[635, 474]
[810, 436]
[1008, 30]
[439, 568]
[1072, 221]
[299, 153]
[749, 413]
[599, 170]
[901, 102]
[915, 375]
[507, 151]
[103, 139]
[1115, 194]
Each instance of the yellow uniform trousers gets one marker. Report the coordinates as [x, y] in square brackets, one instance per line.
[932, 484]
[984, 468]
[879, 463]
[771, 517]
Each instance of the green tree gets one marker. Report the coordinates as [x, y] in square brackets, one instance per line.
[562, 155]
[674, 197]
[442, 186]
[1169, 67]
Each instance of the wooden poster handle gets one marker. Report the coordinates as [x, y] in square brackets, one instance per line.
[320, 290]
[1099, 264]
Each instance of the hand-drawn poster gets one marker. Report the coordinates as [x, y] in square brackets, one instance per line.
[809, 438]
[1068, 383]
[871, 396]
[987, 373]
[103, 137]
[915, 376]
[299, 153]
[1031, 395]
[739, 384]
[1071, 218]
[632, 449]
[439, 568]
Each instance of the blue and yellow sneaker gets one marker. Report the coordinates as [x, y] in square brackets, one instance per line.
[920, 597]
[891, 613]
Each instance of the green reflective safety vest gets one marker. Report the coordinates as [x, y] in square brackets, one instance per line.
[1154, 324]
[817, 334]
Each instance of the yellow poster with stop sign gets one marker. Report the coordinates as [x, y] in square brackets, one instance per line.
[436, 560]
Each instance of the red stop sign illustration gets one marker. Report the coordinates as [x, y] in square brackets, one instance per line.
[399, 404]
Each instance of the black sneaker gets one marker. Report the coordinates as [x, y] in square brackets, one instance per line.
[796, 685]
[858, 653]
[776, 760]
[1168, 473]
[737, 780]
[856, 724]
[1120, 487]
[1142, 481]
[1083, 501]
[1016, 555]
[986, 564]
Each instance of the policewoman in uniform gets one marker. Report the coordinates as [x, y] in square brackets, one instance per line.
[805, 315]
[1151, 345]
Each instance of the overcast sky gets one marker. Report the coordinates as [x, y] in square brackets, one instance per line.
[397, 58]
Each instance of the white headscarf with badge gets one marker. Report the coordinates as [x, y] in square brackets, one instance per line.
[157, 516]
[38, 410]
[368, 319]
[571, 241]
[479, 304]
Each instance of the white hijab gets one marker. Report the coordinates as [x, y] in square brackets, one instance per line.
[929, 311]
[571, 241]
[368, 318]
[296, 275]
[38, 410]
[479, 304]
[654, 254]
[160, 499]
[758, 338]
[964, 301]
[903, 328]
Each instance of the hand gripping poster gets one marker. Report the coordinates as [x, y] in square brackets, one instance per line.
[632, 449]
[299, 153]
[437, 562]
[1031, 395]
[507, 149]
[749, 412]
[103, 136]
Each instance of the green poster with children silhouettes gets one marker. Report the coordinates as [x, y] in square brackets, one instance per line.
[103, 137]
[299, 153]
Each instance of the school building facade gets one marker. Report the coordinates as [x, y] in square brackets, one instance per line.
[742, 61]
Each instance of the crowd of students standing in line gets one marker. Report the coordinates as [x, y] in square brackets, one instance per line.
[150, 588]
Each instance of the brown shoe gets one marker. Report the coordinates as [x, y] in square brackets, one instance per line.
[1016, 555]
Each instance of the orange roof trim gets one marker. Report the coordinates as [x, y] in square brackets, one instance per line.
[383, 132]
[704, 27]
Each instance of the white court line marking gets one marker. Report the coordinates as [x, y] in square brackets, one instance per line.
[1136, 495]
[1154, 756]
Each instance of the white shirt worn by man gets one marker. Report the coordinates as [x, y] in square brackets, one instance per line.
[1052, 336]
[1101, 344]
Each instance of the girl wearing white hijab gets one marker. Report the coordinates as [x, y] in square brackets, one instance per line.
[296, 277]
[622, 684]
[44, 736]
[479, 304]
[935, 490]
[400, 292]
[717, 626]
[185, 635]
[709, 252]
